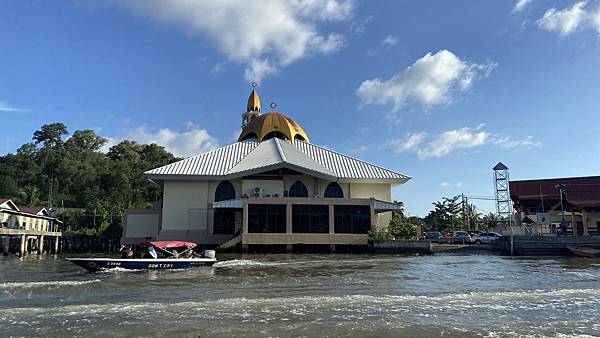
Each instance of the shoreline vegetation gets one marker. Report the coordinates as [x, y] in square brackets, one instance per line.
[89, 184]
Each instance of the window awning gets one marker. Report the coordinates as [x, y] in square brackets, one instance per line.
[382, 206]
[237, 203]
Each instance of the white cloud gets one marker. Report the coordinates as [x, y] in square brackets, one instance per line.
[5, 107]
[520, 5]
[451, 184]
[359, 149]
[264, 35]
[429, 81]
[193, 141]
[410, 142]
[508, 142]
[450, 140]
[390, 40]
[595, 19]
[565, 21]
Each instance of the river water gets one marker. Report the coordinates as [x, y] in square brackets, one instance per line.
[307, 295]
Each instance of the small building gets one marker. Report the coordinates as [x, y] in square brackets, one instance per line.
[26, 218]
[538, 203]
[272, 187]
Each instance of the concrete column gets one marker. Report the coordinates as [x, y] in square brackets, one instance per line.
[23, 246]
[331, 219]
[584, 219]
[331, 247]
[574, 224]
[41, 245]
[245, 218]
[288, 247]
[288, 220]
[56, 244]
[5, 245]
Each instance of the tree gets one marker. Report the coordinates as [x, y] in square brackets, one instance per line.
[85, 141]
[75, 173]
[406, 231]
[445, 214]
[472, 216]
[50, 135]
[400, 212]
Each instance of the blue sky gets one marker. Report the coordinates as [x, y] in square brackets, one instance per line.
[438, 90]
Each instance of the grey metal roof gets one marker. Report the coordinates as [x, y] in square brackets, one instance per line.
[247, 157]
[213, 163]
[275, 153]
[346, 167]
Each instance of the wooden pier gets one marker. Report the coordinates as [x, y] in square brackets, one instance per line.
[29, 241]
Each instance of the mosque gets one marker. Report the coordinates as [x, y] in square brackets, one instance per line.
[273, 187]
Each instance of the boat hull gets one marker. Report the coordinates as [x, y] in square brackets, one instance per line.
[584, 251]
[98, 264]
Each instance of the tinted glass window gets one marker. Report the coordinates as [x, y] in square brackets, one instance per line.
[225, 191]
[353, 219]
[310, 218]
[266, 218]
[334, 190]
[298, 189]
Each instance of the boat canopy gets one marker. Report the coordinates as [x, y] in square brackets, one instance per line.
[170, 244]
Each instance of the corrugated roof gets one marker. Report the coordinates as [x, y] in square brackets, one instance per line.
[246, 156]
[213, 163]
[345, 166]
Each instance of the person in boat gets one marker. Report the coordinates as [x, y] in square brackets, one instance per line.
[151, 253]
[127, 252]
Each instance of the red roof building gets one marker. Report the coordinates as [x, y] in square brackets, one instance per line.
[580, 201]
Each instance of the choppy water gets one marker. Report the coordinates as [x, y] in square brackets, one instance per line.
[307, 295]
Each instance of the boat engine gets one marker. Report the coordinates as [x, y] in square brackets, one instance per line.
[209, 253]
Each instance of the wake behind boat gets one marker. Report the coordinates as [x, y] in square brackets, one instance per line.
[156, 256]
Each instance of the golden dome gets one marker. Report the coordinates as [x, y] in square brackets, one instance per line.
[273, 124]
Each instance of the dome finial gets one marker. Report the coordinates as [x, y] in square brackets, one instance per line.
[253, 100]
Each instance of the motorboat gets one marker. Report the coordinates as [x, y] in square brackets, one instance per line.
[584, 251]
[155, 255]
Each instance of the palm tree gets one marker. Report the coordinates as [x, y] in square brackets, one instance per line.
[29, 195]
[472, 215]
[400, 212]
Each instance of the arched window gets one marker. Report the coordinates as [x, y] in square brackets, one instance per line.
[298, 189]
[225, 191]
[334, 190]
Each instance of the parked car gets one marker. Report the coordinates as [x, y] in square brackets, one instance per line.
[459, 237]
[447, 233]
[486, 237]
[434, 236]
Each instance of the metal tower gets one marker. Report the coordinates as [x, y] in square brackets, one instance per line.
[503, 202]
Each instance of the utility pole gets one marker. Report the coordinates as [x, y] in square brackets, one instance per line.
[462, 202]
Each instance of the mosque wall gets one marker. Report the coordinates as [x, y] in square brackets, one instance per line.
[183, 205]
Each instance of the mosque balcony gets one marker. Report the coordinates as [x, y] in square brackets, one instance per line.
[376, 205]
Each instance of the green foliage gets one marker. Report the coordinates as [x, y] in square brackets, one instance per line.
[74, 173]
[396, 230]
[404, 231]
[379, 235]
[445, 214]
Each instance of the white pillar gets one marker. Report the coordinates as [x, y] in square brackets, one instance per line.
[56, 244]
[41, 245]
[23, 247]
[5, 245]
